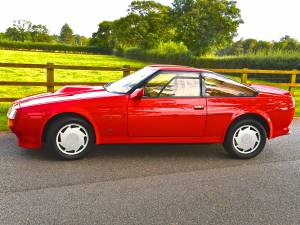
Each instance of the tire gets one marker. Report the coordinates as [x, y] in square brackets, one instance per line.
[245, 139]
[70, 138]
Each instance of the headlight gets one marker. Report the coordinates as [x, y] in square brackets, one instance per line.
[12, 112]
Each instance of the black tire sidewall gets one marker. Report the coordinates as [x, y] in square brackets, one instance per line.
[57, 125]
[228, 144]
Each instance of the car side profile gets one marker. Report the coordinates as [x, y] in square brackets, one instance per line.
[157, 104]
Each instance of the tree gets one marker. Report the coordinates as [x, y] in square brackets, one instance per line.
[288, 43]
[20, 31]
[66, 34]
[80, 40]
[181, 7]
[236, 48]
[206, 25]
[249, 45]
[40, 33]
[147, 24]
[23, 30]
[156, 22]
[55, 38]
[146, 7]
[285, 44]
[103, 36]
[13, 34]
[2, 36]
[263, 46]
[128, 31]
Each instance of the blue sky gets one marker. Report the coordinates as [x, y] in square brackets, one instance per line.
[264, 19]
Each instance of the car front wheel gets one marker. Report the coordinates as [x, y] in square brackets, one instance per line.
[70, 138]
[245, 139]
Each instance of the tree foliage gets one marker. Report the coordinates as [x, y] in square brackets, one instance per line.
[253, 46]
[206, 25]
[103, 36]
[146, 25]
[40, 33]
[66, 34]
[202, 25]
[23, 30]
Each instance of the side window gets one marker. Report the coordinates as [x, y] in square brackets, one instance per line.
[218, 86]
[173, 84]
[182, 87]
[156, 84]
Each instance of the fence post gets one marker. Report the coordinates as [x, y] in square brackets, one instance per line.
[244, 78]
[293, 81]
[126, 70]
[50, 77]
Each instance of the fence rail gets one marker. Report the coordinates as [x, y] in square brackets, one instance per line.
[126, 69]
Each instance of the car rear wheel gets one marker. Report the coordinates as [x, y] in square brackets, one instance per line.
[245, 139]
[70, 138]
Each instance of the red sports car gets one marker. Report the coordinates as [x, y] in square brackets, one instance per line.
[157, 104]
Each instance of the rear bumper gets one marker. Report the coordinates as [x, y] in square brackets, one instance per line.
[282, 132]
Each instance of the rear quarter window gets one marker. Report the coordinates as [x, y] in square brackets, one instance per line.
[219, 86]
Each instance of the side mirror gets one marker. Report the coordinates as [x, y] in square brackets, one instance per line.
[137, 94]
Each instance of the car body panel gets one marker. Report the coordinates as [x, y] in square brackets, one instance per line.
[117, 118]
[162, 117]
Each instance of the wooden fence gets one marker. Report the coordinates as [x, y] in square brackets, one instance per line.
[126, 69]
[50, 75]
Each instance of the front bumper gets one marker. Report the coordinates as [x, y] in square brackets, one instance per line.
[25, 139]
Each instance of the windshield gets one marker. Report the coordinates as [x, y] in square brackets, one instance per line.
[127, 83]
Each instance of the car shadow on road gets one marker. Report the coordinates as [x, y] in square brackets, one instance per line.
[118, 151]
[155, 151]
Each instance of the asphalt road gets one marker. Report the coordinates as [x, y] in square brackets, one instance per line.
[152, 184]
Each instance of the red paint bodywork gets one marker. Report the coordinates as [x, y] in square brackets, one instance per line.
[118, 118]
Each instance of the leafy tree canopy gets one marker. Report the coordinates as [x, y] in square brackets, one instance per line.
[66, 34]
[206, 25]
[240, 47]
[146, 25]
[23, 30]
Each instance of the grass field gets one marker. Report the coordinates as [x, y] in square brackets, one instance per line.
[18, 74]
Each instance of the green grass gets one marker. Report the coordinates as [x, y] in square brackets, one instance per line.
[3, 120]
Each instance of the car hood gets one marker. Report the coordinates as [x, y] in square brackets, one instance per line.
[66, 93]
[263, 89]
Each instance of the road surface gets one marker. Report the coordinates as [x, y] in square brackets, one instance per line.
[152, 184]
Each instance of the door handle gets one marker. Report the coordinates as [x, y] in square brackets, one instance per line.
[198, 107]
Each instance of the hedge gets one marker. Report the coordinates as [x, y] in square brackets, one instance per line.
[36, 46]
[273, 62]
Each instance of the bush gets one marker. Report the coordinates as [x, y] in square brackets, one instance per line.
[163, 54]
[38, 46]
[171, 53]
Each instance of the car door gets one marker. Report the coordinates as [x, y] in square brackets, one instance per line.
[172, 107]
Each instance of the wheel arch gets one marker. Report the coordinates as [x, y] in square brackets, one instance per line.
[262, 119]
[58, 116]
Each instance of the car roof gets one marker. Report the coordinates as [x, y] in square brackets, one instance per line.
[177, 68]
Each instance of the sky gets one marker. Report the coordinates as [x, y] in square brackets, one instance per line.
[263, 19]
